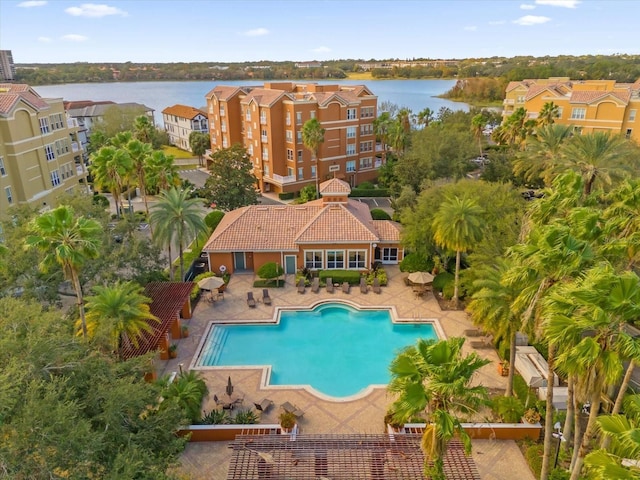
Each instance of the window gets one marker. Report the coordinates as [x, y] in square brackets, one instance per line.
[56, 120]
[250, 149]
[299, 118]
[300, 173]
[351, 113]
[247, 114]
[366, 163]
[48, 152]
[313, 171]
[265, 153]
[223, 126]
[366, 146]
[351, 149]
[3, 170]
[389, 254]
[288, 118]
[55, 178]
[7, 191]
[335, 259]
[351, 132]
[632, 115]
[289, 135]
[313, 114]
[628, 134]
[351, 166]
[44, 125]
[62, 147]
[356, 258]
[300, 156]
[289, 171]
[520, 99]
[263, 136]
[225, 142]
[313, 259]
[299, 136]
[265, 169]
[366, 112]
[559, 112]
[366, 129]
[222, 114]
[249, 133]
[263, 117]
[289, 154]
[578, 113]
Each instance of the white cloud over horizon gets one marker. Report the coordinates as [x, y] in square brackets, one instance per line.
[72, 37]
[321, 49]
[94, 10]
[559, 3]
[529, 20]
[32, 3]
[256, 32]
[44, 39]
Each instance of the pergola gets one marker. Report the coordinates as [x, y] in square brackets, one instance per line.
[340, 457]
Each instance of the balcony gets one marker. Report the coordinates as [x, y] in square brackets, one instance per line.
[283, 180]
[80, 170]
[75, 147]
[263, 120]
[509, 101]
[72, 123]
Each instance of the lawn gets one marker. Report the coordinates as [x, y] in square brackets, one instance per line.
[177, 152]
[359, 76]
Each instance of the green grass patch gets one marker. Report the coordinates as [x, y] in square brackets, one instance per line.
[533, 454]
[268, 284]
[176, 152]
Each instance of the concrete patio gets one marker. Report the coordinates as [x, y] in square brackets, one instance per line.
[496, 460]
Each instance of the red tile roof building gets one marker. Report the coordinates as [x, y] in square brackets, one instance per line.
[180, 121]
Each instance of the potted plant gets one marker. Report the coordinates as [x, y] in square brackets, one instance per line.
[173, 350]
[185, 331]
[503, 368]
[531, 416]
[287, 421]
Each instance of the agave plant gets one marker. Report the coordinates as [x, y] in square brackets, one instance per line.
[215, 417]
[246, 417]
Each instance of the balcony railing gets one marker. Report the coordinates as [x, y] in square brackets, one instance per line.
[75, 147]
[72, 123]
[509, 101]
[283, 180]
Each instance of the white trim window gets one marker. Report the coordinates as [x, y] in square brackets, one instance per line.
[300, 173]
[299, 136]
[55, 178]
[3, 169]
[289, 136]
[335, 259]
[299, 118]
[578, 113]
[366, 146]
[351, 132]
[313, 259]
[313, 171]
[365, 163]
[9, 194]
[49, 153]
[390, 255]
[289, 154]
[44, 125]
[351, 149]
[366, 129]
[366, 112]
[300, 156]
[351, 113]
[632, 115]
[351, 166]
[357, 258]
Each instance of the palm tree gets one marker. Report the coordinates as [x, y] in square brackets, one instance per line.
[425, 117]
[478, 122]
[140, 154]
[599, 156]
[68, 241]
[176, 216]
[122, 311]
[143, 129]
[110, 166]
[188, 390]
[199, 143]
[381, 127]
[312, 138]
[491, 307]
[433, 378]
[162, 172]
[548, 114]
[458, 226]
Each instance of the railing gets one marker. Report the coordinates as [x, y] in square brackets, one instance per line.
[379, 148]
[283, 180]
[72, 123]
[80, 170]
[509, 101]
[75, 147]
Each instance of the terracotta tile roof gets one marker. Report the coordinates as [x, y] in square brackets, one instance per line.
[334, 186]
[513, 85]
[590, 96]
[222, 92]
[167, 300]
[388, 231]
[338, 224]
[11, 94]
[557, 90]
[184, 111]
[73, 104]
[263, 96]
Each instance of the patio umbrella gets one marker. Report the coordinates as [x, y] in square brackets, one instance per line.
[422, 278]
[229, 387]
[211, 283]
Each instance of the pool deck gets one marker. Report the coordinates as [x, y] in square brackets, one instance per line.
[496, 460]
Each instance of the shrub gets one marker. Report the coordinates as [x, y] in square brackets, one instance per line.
[213, 219]
[195, 291]
[414, 262]
[340, 276]
[367, 186]
[246, 417]
[270, 271]
[215, 417]
[286, 195]
[533, 454]
[369, 192]
[379, 214]
[100, 200]
[509, 409]
[269, 283]
[442, 279]
[287, 420]
[307, 194]
[380, 273]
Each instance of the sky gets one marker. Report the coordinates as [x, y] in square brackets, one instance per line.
[165, 31]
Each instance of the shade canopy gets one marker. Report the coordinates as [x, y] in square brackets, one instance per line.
[211, 283]
[229, 387]
[422, 278]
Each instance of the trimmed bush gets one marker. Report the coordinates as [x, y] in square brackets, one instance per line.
[510, 409]
[379, 214]
[416, 263]
[100, 200]
[369, 192]
[340, 276]
[270, 271]
[286, 195]
[443, 279]
[213, 219]
[268, 284]
[380, 273]
[367, 186]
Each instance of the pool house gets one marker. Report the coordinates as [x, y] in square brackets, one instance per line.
[333, 232]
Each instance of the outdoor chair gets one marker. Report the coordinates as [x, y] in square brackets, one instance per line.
[329, 285]
[301, 285]
[346, 287]
[315, 285]
[250, 300]
[266, 299]
[287, 407]
[484, 342]
[363, 285]
[264, 405]
[225, 405]
[376, 285]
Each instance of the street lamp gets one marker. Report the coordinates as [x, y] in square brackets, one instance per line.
[180, 367]
[558, 434]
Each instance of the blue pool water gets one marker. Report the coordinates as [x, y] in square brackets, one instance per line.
[337, 349]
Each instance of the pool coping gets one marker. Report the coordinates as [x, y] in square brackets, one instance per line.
[275, 320]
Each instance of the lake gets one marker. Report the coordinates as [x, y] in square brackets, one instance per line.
[413, 94]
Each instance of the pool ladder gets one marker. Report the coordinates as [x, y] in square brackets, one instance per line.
[212, 351]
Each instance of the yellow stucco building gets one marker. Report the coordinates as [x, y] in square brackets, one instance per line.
[40, 156]
[589, 105]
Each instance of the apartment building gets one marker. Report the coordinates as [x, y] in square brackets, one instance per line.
[268, 121]
[589, 105]
[180, 121]
[40, 155]
[7, 67]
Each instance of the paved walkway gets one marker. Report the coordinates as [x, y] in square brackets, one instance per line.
[496, 460]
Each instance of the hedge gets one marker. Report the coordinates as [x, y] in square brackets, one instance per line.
[340, 276]
[286, 195]
[369, 192]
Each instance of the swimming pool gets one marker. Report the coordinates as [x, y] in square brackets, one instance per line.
[335, 348]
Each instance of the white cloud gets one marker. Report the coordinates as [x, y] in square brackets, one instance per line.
[322, 49]
[559, 3]
[32, 3]
[94, 10]
[471, 28]
[72, 37]
[528, 20]
[44, 39]
[497, 22]
[256, 32]
[527, 6]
